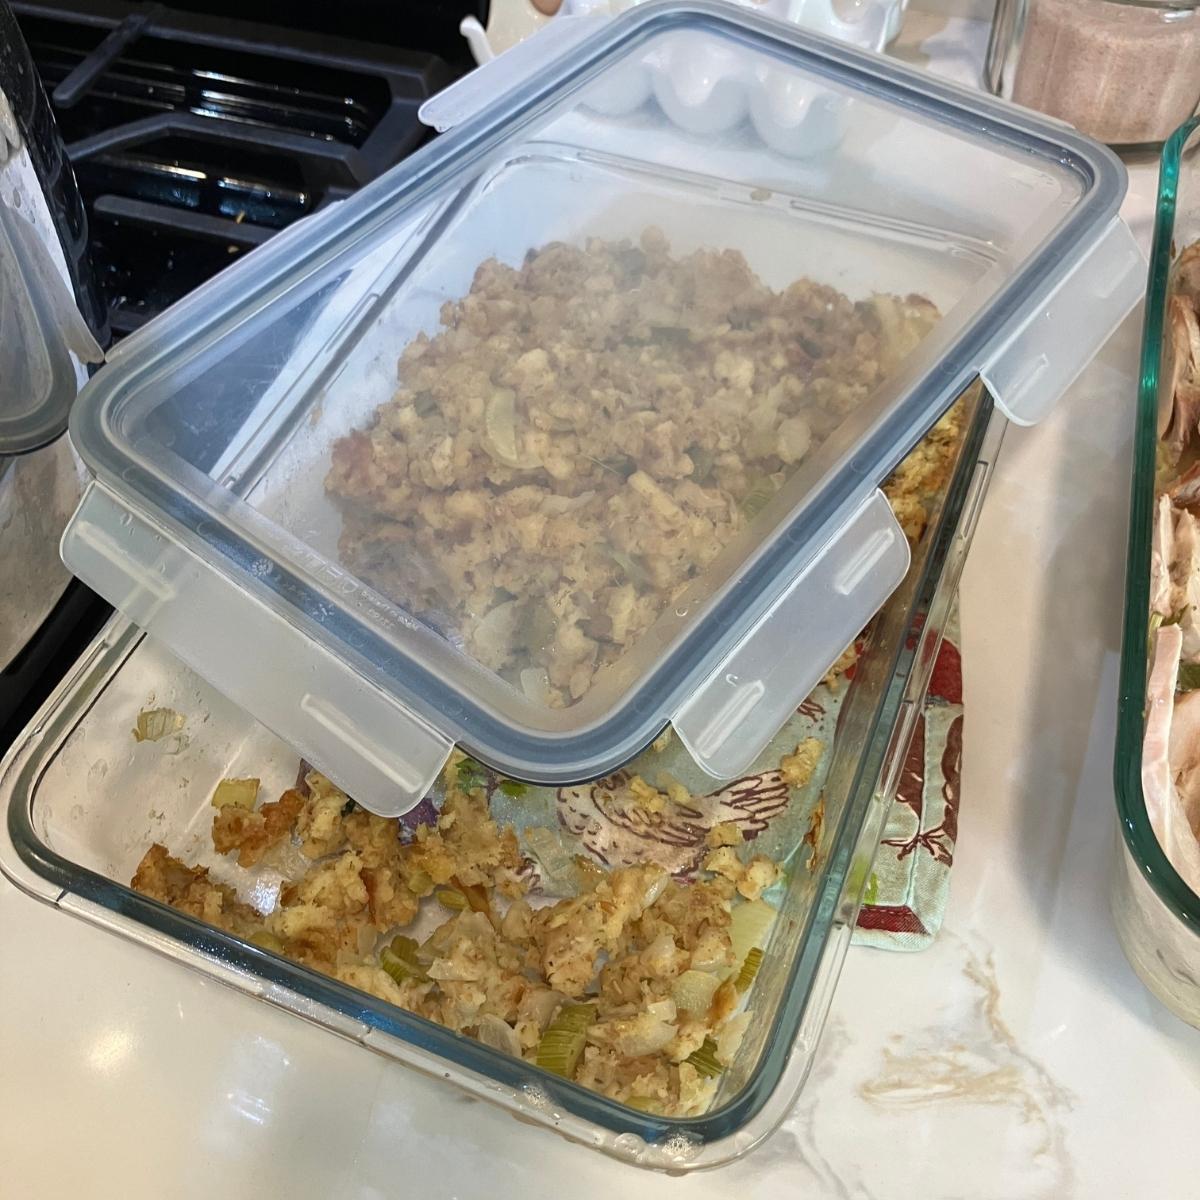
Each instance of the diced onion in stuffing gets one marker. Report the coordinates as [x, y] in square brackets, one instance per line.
[749, 925]
[236, 793]
[730, 1036]
[498, 1034]
[657, 886]
[540, 1005]
[557, 864]
[492, 638]
[631, 1037]
[500, 436]
[693, 991]
[156, 723]
[535, 683]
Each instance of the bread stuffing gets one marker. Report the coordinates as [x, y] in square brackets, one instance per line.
[575, 444]
[629, 987]
[586, 433]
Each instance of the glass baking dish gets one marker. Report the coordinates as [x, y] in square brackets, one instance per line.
[265, 492]
[1157, 915]
[83, 801]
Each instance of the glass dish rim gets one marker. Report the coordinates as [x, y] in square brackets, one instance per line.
[635, 718]
[1139, 836]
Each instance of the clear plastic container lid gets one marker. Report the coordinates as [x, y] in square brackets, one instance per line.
[572, 425]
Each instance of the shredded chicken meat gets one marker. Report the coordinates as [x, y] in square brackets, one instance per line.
[1171, 745]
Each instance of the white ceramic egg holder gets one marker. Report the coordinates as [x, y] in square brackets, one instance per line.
[701, 86]
[871, 24]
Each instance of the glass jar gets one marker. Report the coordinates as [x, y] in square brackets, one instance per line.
[1126, 72]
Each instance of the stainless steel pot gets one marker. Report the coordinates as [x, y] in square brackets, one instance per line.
[46, 342]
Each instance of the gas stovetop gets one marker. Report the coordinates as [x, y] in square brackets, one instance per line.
[195, 137]
[196, 132]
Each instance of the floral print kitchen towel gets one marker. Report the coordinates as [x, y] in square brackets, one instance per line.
[910, 880]
[660, 809]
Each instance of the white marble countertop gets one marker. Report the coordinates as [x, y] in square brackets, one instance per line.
[1019, 1057]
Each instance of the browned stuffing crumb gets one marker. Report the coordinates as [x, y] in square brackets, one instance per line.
[812, 835]
[649, 797]
[912, 490]
[253, 833]
[798, 768]
[728, 833]
[190, 890]
[760, 874]
[751, 879]
[925, 473]
[845, 662]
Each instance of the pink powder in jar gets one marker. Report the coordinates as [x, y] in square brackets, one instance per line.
[1124, 73]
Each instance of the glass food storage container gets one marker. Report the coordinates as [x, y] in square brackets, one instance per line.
[1157, 915]
[1124, 71]
[689, 322]
[84, 799]
[546, 553]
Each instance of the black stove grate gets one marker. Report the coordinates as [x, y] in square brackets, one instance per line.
[194, 138]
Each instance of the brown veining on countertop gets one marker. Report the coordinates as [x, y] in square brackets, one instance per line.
[971, 1057]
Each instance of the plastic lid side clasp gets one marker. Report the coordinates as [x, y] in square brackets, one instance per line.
[734, 714]
[1030, 368]
[367, 742]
